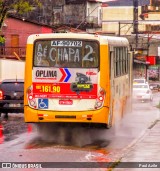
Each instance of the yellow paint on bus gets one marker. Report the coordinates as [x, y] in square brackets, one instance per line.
[93, 88]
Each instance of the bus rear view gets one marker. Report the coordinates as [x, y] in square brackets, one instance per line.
[63, 79]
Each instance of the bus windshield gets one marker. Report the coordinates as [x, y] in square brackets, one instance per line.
[71, 53]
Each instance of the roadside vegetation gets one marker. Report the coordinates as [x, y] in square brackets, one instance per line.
[15, 7]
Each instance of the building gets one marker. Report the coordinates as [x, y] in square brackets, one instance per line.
[16, 31]
[84, 14]
[139, 22]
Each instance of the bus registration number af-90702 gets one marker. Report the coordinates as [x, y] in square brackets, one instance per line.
[68, 43]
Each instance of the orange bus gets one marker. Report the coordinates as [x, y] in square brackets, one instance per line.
[76, 78]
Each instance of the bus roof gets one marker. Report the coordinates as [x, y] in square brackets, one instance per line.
[112, 40]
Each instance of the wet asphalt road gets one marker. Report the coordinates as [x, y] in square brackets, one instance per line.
[83, 145]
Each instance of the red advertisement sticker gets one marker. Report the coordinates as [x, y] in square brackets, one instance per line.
[65, 90]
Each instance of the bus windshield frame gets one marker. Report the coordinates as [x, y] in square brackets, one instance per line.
[62, 53]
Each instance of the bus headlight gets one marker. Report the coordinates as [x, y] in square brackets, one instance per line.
[100, 99]
[31, 100]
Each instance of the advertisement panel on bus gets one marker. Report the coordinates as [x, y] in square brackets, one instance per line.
[65, 83]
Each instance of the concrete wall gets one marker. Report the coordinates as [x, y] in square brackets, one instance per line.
[11, 69]
[123, 14]
[117, 13]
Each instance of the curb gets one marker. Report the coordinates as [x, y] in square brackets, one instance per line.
[126, 150]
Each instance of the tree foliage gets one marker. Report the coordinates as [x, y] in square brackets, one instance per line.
[16, 6]
[2, 40]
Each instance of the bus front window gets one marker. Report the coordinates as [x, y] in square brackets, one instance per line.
[66, 53]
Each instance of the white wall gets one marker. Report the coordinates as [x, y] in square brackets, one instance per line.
[10, 69]
[122, 14]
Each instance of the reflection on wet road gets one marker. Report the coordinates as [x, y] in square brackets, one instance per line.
[60, 144]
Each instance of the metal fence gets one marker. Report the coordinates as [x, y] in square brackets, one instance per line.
[18, 53]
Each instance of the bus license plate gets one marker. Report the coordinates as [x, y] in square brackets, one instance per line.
[15, 105]
[65, 102]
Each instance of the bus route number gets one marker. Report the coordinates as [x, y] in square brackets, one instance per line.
[50, 89]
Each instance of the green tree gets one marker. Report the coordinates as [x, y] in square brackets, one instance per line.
[2, 40]
[16, 6]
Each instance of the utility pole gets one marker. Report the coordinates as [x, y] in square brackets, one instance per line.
[135, 20]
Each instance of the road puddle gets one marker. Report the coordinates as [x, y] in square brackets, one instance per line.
[38, 142]
[51, 134]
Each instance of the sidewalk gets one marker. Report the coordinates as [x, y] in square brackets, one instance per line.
[145, 149]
